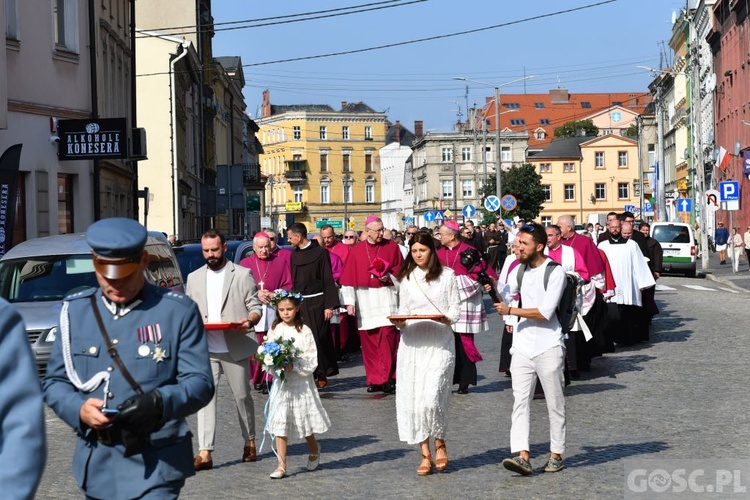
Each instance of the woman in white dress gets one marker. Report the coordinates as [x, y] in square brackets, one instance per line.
[427, 352]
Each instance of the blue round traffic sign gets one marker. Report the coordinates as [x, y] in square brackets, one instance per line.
[492, 203]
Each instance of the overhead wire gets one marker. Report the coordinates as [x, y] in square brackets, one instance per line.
[210, 28]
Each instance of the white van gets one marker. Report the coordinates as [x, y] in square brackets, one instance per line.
[678, 246]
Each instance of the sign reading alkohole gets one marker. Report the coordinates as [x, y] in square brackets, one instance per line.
[103, 138]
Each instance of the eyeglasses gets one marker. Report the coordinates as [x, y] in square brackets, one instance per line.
[348, 237]
[411, 234]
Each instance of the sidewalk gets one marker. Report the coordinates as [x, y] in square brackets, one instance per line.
[724, 274]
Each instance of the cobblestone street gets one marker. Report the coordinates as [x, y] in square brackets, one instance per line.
[682, 396]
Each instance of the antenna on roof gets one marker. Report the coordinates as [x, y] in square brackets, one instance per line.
[558, 81]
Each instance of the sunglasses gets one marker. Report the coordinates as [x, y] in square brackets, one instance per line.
[528, 227]
[272, 238]
[411, 234]
[348, 237]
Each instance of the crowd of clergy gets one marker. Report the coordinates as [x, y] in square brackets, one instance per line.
[350, 289]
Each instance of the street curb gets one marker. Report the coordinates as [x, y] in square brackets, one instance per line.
[712, 277]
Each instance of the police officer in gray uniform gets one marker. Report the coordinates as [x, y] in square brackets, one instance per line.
[127, 395]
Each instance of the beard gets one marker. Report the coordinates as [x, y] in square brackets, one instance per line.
[215, 264]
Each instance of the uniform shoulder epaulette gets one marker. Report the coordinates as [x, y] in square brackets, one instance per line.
[80, 294]
[173, 294]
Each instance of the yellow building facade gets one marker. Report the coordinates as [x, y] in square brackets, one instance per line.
[322, 164]
[583, 176]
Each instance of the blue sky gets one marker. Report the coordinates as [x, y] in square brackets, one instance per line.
[595, 49]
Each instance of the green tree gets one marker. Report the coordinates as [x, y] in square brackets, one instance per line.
[632, 131]
[579, 128]
[523, 182]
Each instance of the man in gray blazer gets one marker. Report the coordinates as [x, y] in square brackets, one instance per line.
[226, 293]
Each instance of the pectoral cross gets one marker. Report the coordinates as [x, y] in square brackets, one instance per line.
[260, 285]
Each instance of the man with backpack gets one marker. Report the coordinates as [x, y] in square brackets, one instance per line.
[538, 349]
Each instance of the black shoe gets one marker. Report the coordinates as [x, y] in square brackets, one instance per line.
[375, 388]
[389, 387]
[463, 390]
[507, 374]
[257, 387]
[575, 375]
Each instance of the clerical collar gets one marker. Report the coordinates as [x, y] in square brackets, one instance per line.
[573, 235]
[120, 310]
[619, 241]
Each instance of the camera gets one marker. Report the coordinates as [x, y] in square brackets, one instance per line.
[470, 258]
[54, 139]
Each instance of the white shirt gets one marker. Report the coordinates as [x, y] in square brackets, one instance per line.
[214, 289]
[533, 337]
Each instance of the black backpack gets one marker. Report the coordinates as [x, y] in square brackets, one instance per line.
[567, 309]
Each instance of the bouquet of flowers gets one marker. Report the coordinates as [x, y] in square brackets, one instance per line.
[276, 352]
[378, 267]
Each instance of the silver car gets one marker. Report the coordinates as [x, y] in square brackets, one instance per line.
[37, 274]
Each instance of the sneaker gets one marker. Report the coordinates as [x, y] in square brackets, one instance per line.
[554, 465]
[518, 464]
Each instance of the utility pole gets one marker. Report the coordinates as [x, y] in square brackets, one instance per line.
[698, 160]
[660, 170]
[498, 170]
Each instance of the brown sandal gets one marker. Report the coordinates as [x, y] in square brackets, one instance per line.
[441, 463]
[425, 470]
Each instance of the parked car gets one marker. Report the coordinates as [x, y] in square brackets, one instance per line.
[190, 256]
[37, 274]
[678, 246]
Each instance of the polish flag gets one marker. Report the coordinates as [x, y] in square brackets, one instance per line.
[723, 158]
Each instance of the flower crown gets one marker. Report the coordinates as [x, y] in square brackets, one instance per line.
[279, 295]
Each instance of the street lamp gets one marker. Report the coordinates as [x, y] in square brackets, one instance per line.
[498, 178]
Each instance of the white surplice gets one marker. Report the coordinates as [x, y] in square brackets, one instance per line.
[630, 270]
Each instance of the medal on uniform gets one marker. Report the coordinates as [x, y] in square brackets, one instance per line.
[151, 334]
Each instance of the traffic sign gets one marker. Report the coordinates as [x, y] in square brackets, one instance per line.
[429, 216]
[447, 214]
[408, 220]
[684, 204]
[352, 224]
[439, 216]
[712, 200]
[648, 207]
[469, 211]
[730, 190]
[630, 208]
[492, 203]
[509, 202]
[335, 224]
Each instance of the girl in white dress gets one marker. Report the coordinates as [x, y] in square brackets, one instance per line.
[295, 407]
[427, 351]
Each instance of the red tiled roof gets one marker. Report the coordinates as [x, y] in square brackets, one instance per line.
[556, 108]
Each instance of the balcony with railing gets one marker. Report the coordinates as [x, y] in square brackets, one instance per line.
[251, 176]
[296, 171]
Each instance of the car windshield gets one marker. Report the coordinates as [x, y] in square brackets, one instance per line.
[47, 278]
[671, 234]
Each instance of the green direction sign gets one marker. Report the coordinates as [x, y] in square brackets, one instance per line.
[253, 203]
[336, 224]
